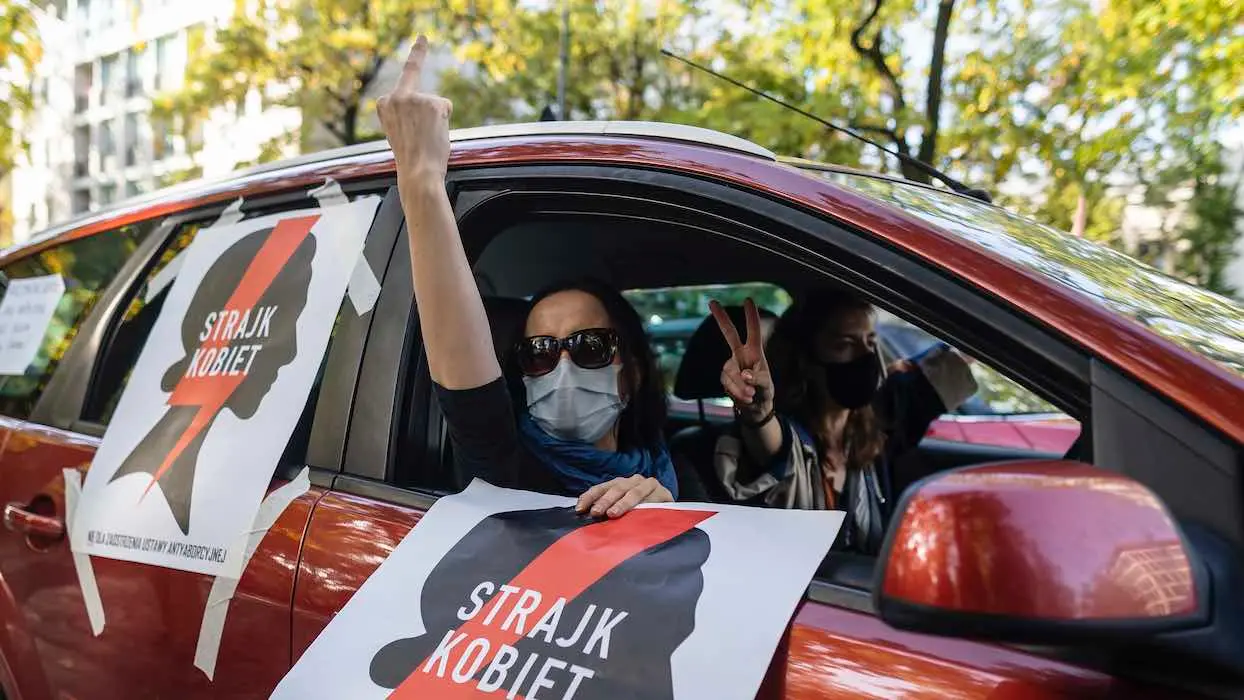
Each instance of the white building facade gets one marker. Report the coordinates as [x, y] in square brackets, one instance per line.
[92, 139]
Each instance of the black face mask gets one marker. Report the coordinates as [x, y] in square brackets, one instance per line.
[852, 384]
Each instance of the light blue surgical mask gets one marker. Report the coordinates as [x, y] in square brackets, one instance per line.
[573, 403]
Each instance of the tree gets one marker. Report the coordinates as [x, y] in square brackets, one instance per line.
[510, 52]
[1210, 229]
[1061, 108]
[20, 52]
[321, 56]
[1111, 97]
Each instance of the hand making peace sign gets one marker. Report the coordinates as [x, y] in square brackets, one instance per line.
[745, 376]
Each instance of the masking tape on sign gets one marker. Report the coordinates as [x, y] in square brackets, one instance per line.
[363, 289]
[231, 215]
[82, 562]
[329, 194]
[223, 588]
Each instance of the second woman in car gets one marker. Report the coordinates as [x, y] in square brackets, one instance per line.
[820, 420]
[591, 419]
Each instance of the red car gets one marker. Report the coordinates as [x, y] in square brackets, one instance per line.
[1111, 571]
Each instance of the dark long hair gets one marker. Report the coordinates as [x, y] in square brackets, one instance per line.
[790, 351]
[642, 421]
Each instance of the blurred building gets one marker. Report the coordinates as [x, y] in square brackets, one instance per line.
[92, 137]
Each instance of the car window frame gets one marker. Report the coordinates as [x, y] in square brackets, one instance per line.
[465, 200]
[60, 405]
[389, 363]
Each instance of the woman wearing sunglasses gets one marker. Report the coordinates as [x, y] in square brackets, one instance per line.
[588, 406]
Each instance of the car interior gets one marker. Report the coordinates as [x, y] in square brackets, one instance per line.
[522, 258]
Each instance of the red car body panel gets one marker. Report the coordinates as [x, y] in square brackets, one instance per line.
[829, 652]
[296, 583]
[152, 614]
[1052, 435]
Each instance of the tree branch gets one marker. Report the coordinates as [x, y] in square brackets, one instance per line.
[937, 67]
[635, 98]
[872, 52]
[337, 133]
[343, 101]
[369, 74]
[884, 131]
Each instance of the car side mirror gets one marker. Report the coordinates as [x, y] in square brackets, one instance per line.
[1037, 552]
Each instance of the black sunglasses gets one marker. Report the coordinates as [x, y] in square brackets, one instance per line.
[591, 348]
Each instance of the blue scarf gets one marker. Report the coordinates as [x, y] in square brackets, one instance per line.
[580, 466]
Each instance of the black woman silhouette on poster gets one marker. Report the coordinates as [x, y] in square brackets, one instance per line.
[239, 331]
[628, 598]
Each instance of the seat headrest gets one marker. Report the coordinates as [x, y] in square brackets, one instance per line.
[699, 373]
[505, 318]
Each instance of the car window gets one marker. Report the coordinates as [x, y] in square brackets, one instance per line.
[1199, 320]
[1001, 413]
[129, 334]
[672, 314]
[87, 265]
[997, 395]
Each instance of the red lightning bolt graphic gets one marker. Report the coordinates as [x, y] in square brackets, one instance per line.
[211, 393]
[566, 569]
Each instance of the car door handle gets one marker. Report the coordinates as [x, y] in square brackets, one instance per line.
[18, 519]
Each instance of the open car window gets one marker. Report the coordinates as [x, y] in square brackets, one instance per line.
[1001, 413]
[997, 395]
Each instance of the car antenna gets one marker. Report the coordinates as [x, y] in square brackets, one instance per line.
[949, 181]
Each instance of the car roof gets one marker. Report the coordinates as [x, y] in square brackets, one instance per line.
[922, 221]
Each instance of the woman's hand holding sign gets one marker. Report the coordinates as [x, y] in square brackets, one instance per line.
[747, 380]
[614, 498]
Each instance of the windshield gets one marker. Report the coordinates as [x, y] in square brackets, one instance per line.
[1204, 322]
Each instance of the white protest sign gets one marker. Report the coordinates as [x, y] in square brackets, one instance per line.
[500, 593]
[218, 390]
[24, 317]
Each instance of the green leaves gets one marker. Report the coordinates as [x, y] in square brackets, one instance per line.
[20, 52]
[1047, 104]
[322, 56]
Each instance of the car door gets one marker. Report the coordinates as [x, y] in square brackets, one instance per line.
[396, 465]
[34, 560]
[153, 615]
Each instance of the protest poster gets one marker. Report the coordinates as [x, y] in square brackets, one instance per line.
[25, 313]
[218, 389]
[501, 593]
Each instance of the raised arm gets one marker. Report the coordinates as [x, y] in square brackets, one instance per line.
[451, 313]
